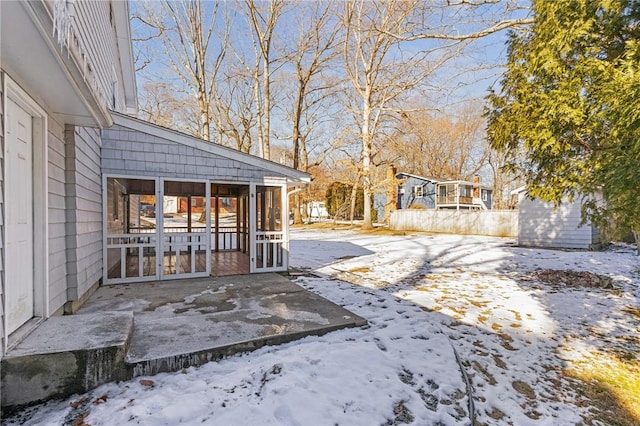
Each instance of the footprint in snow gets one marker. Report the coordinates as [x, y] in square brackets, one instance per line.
[380, 345]
[284, 416]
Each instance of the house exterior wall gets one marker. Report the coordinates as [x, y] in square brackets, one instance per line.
[96, 33]
[131, 152]
[97, 41]
[57, 215]
[74, 211]
[83, 210]
[2, 348]
[409, 199]
[542, 225]
[486, 196]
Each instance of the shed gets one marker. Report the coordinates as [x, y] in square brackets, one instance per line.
[542, 224]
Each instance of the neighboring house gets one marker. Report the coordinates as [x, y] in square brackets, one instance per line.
[419, 192]
[416, 191]
[541, 224]
[463, 195]
[84, 186]
[317, 211]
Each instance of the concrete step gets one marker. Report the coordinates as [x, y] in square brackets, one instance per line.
[218, 335]
[67, 355]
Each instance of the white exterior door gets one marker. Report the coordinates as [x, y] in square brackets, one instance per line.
[19, 274]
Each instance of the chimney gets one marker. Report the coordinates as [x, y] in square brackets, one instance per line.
[392, 196]
[476, 186]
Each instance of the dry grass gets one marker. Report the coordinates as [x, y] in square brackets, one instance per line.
[362, 269]
[613, 387]
[378, 230]
[383, 230]
[327, 225]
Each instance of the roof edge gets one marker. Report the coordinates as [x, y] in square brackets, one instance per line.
[125, 50]
[430, 179]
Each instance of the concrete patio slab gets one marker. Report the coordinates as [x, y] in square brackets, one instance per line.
[66, 355]
[183, 323]
[124, 331]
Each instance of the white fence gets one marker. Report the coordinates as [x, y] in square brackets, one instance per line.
[497, 223]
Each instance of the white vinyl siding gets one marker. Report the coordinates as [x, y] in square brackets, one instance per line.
[542, 225]
[84, 209]
[57, 217]
[99, 43]
[1, 211]
[95, 44]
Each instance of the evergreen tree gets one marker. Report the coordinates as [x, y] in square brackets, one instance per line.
[568, 112]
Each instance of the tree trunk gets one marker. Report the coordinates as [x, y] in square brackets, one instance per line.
[354, 199]
[392, 187]
[366, 162]
[259, 112]
[636, 234]
[297, 217]
[266, 89]
[204, 117]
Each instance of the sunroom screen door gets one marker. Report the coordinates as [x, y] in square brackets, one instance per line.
[268, 229]
[185, 229]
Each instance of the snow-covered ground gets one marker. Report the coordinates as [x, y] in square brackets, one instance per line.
[427, 298]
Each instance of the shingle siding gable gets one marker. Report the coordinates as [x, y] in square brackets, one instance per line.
[132, 152]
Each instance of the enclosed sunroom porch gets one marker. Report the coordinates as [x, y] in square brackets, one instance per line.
[179, 207]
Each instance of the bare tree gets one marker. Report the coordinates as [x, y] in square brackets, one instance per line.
[448, 146]
[185, 31]
[313, 51]
[263, 17]
[316, 47]
[384, 64]
[234, 104]
[162, 104]
[380, 72]
[464, 20]
[505, 179]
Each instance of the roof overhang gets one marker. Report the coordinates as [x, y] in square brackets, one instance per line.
[465, 182]
[403, 175]
[125, 50]
[519, 190]
[32, 57]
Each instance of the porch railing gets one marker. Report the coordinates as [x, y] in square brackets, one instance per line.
[227, 236]
[181, 249]
[452, 199]
[131, 255]
[227, 239]
[270, 250]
